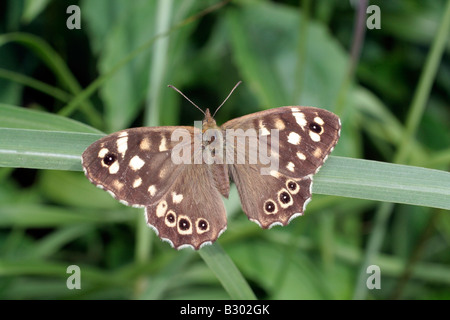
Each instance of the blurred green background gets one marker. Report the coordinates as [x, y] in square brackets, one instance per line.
[391, 93]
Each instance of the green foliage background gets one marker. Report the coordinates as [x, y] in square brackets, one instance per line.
[382, 198]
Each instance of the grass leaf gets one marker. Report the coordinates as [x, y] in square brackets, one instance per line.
[22, 118]
[374, 180]
[226, 271]
[38, 149]
[355, 178]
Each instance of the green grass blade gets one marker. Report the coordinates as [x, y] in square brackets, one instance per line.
[382, 181]
[143, 236]
[339, 176]
[415, 114]
[422, 93]
[55, 63]
[55, 269]
[159, 63]
[35, 84]
[171, 273]
[32, 8]
[227, 273]
[22, 118]
[41, 216]
[21, 148]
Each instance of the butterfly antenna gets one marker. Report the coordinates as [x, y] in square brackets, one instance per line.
[176, 89]
[234, 88]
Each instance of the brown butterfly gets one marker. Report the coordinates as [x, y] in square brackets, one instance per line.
[179, 173]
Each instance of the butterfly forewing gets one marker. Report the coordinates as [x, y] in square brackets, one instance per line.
[137, 167]
[129, 162]
[192, 212]
[299, 140]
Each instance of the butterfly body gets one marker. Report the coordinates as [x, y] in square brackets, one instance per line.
[180, 174]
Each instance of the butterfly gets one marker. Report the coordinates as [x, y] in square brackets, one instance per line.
[179, 174]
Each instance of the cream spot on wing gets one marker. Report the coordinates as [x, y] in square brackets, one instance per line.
[319, 121]
[145, 144]
[279, 124]
[176, 198]
[102, 153]
[122, 144]
[137, 182]
[123, 134]
[262, 129]
[163, 145]
[290, 166]
[275, 173]
[294, 138]
[117, 185]
[300, 119]
[162, 173]
[317, 153]
[161, 209]
[136, 163]
[152, 190]
[301, 156]
[314, 136]
[114, 168]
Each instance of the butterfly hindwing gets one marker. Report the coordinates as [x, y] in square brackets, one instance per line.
[189, 214]
[270, 200]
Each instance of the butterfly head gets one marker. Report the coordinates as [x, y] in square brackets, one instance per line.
[208, 122]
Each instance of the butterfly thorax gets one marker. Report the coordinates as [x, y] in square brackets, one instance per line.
[214, 153]
[208, 122]
[211, 132]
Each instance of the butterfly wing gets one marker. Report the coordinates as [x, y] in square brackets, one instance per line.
[153, 168]
[274, 177]
[191, 213]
